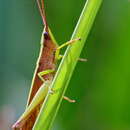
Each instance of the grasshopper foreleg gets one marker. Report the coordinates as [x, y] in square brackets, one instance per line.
[68, 43]
[80, 59]
[58, 56]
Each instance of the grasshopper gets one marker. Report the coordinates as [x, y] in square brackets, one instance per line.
[43, 75]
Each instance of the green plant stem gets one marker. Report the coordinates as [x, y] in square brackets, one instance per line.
[66, 67]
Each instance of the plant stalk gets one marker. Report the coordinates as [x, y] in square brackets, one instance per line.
[63, 75]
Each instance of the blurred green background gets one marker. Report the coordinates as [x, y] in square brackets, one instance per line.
[100, 86]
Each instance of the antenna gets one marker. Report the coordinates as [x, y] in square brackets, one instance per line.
[42, 13]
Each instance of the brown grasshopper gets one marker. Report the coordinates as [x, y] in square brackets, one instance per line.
[43, 76]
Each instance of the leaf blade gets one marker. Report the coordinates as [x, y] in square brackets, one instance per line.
[66, 67]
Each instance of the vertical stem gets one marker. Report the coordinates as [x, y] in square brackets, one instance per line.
[67, 65]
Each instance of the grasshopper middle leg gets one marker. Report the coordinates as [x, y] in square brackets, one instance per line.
[42, 73]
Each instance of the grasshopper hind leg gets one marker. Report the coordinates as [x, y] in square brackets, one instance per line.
[68, 99]
[64, 97]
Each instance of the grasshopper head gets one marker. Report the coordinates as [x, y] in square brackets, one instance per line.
[46, 36]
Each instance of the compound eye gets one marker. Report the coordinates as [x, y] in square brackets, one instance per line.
[46, 36]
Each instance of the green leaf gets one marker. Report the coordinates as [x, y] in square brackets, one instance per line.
[59, 85]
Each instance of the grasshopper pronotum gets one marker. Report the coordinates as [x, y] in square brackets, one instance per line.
[43, 76]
